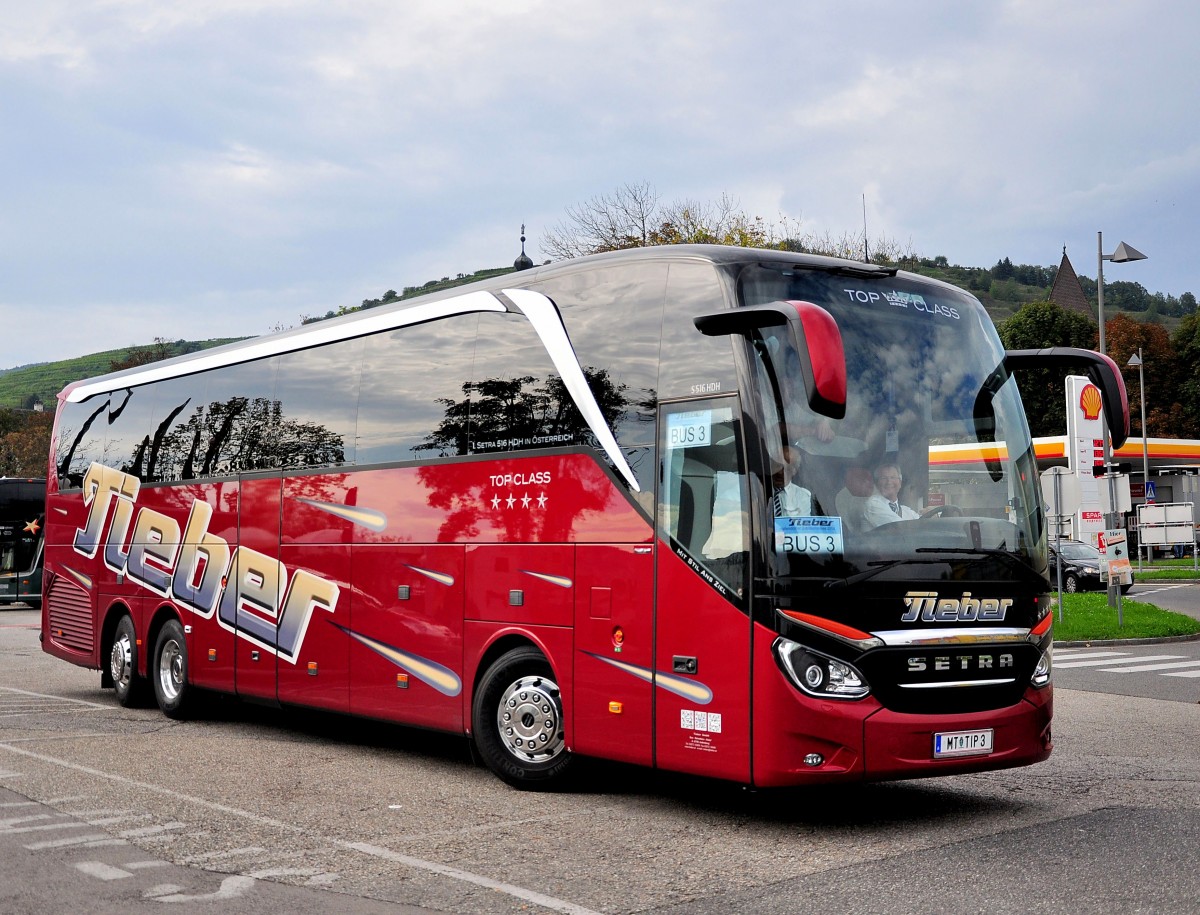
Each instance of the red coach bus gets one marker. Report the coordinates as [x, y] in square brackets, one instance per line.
[617, 507]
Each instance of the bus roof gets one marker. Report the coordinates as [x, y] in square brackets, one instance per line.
[480, 296]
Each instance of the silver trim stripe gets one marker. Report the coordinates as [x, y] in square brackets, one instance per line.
[955, 684]
[954, 636]
[290, 342]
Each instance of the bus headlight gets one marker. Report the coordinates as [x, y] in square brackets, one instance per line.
[817, 674]
[1045, 666]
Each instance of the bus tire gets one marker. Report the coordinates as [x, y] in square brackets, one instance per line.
[170, 671]
[518, 721]
[130, 688]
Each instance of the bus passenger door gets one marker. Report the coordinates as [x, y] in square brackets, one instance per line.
[702, 654]
[614, 658]
[255, 587]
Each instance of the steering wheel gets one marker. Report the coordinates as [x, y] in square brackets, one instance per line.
[942, 511]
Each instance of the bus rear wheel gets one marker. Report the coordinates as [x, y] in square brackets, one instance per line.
[130, 688]
[170, 671]
[518, 721]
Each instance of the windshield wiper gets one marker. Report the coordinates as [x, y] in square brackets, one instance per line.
[880, 565]
[1010, 558]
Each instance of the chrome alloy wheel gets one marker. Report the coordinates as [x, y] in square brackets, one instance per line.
[170, 669]
[120, 661]
[530, 721]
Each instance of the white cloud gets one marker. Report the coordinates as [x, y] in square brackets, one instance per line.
[246, 161]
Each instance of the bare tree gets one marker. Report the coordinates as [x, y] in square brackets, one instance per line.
[632, 217]
[609, 222]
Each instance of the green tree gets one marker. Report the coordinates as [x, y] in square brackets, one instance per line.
[1038, 325]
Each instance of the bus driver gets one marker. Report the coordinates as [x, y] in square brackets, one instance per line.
[884, 506]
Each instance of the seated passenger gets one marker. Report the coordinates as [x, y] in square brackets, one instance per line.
[884, 506]
[852, 497]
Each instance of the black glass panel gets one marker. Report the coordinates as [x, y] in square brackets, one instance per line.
[81, 432]
[411, 396]
[317, 393]
[127, 435]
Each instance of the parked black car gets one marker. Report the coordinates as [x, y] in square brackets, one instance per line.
[1081, 567]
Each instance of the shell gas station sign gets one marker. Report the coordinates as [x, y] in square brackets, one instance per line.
[1086, 431]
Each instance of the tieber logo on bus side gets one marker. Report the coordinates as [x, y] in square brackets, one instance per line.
[193, 567]
[928, 608]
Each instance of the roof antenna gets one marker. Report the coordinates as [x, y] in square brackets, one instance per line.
[866, 256]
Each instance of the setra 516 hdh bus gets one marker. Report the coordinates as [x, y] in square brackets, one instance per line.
[619, 507]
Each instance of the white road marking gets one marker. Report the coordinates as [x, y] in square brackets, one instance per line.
[91, 841]
[249, 851]
[1068, 654]
[9, 825]
[454, 873]
[1184, 673]
[144, 831]
[231, 888]
[25, 692]
[45, 827]
[1132, 660]
[1141, 593]
[1138, 668]
[549, 902]
[102, 871]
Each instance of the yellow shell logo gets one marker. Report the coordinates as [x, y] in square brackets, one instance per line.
[1089, 402]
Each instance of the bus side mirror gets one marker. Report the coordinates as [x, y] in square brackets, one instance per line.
[815, 338]
[1100, 370]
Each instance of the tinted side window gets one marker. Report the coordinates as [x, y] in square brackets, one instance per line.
[317, 394]
[81, 431]
[693, 364]
[128, 420]
[614, 318]
[241, 422]
[411, 402]
[703, 503]
[516, 400]
[178, 431]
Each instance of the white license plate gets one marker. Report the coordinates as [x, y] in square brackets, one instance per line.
[962, 743]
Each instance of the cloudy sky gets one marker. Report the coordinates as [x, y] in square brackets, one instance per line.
[205, 168]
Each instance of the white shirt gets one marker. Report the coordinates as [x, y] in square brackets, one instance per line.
[792, 502]
[879, 511]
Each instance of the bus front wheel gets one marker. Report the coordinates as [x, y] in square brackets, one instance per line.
[518, 721]
[170, 671]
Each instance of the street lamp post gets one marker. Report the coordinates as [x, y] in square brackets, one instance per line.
[1123, 255]
[1135, 361]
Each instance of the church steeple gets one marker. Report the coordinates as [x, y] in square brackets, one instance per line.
[1066, 291]
[524, 262]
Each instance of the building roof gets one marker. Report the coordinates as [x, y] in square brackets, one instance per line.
[1066, 292]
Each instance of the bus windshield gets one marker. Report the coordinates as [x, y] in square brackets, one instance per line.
[933, 460]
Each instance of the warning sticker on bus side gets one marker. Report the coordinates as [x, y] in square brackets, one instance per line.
[817, 536]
